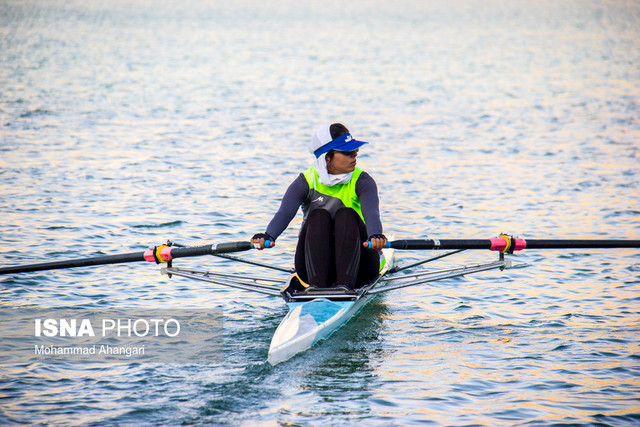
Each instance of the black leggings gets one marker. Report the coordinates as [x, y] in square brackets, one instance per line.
[330, 251]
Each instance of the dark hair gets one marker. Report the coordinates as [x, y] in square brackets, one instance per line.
[336, 130]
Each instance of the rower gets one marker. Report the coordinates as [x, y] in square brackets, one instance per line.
[341, 212]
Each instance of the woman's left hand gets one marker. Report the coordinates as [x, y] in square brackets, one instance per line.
[378, 242]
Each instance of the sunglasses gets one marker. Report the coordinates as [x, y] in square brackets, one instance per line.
[346, 153]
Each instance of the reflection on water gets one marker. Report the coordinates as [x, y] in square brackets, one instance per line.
[125, 124]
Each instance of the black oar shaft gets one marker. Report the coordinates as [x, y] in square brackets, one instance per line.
[501, 243]
[441, 244]
[581, 244]
[72, 263]
[220, 248]
[162, 254]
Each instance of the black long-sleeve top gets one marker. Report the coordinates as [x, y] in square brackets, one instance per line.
[298, 191]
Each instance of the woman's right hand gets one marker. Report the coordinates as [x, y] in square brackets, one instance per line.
[259, 239]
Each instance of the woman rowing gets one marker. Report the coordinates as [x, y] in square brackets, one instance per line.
[341, 212]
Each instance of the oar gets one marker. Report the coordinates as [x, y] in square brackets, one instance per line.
[158, 254]
[510, 244]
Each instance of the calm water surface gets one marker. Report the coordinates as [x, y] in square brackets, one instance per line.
[124, 124]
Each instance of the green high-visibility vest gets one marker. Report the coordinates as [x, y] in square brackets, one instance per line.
[331, 198]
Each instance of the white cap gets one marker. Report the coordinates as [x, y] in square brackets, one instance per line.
[322, 142]
[321, 137]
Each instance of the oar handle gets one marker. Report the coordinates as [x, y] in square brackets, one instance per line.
[267, 245]
[370, 246]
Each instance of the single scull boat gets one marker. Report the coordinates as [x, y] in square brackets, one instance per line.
[314, 314]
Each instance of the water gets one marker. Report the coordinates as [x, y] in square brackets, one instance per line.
[128, 123]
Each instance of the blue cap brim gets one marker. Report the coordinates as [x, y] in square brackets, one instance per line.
[342, 143]
[354, 144]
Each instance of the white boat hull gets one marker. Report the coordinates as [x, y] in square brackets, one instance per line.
[308, 322]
